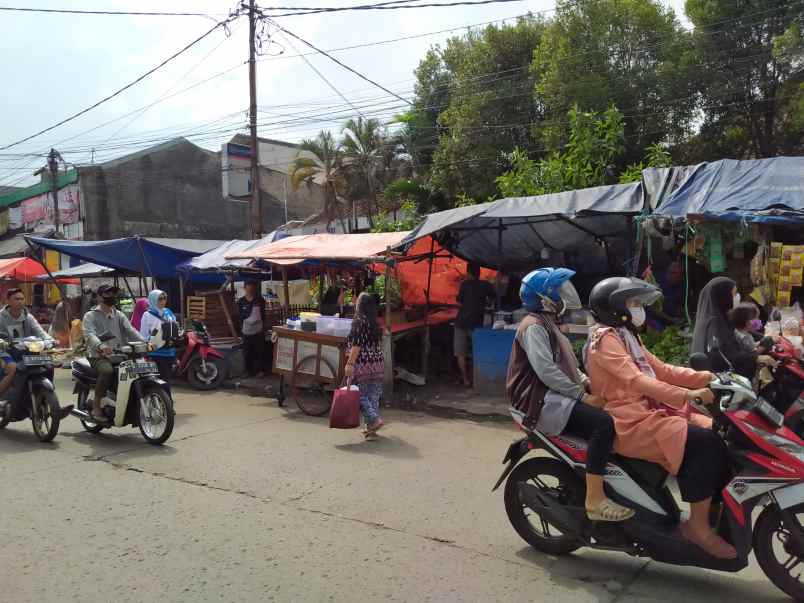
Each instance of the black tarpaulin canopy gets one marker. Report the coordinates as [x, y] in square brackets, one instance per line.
[512, 234]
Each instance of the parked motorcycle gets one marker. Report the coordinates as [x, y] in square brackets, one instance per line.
[137, 397]
[32, 395]
[544, 497]
[204, 366]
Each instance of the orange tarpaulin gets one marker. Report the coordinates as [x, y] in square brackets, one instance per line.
[26, 270]
[448, 274]
[323, 247]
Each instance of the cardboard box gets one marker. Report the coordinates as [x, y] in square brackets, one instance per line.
[783, 298]
[797, 277]
[776, 250]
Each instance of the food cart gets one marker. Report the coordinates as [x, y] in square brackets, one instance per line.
[312, 364]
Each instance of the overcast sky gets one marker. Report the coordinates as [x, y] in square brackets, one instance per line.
[55, 65]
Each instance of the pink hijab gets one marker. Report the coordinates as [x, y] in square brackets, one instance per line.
[140, 308]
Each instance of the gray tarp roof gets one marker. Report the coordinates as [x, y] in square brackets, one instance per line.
[574, 223]
[81, 271]
[215, 260]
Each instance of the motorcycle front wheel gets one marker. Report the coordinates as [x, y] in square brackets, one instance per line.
[777, 553]
[156, 415]
[47, 417]
[206, 375]
[559, 481]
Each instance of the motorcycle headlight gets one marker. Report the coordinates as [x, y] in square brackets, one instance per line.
[36, 347]
[740, 380]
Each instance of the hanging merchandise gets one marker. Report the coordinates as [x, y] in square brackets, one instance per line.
[717, 257]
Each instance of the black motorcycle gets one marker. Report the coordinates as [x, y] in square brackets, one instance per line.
[32, 395]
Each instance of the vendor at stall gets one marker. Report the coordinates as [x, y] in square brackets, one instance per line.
[251, 308]
[473, 296]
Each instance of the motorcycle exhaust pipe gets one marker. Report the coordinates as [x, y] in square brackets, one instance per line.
[548, 508]
[81, 414]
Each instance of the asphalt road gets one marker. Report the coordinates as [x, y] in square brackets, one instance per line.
[250, 502]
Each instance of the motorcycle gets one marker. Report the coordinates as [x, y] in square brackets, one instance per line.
[204, 366]
[137, 396]
[32, 395]
[545, 497]
[785, 390]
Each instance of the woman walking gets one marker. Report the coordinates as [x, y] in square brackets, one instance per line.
[159, 318]
[365, 366]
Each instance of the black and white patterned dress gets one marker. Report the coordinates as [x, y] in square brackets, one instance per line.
[370, 363]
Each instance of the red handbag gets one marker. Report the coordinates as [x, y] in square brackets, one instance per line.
[345, 413]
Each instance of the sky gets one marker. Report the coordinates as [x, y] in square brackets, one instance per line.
[55, 65]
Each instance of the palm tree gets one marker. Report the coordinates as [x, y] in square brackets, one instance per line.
[363, 146]
[320, 161]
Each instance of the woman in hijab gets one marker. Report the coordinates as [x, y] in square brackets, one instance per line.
[140, 308]
[711, 321]
[154, 321]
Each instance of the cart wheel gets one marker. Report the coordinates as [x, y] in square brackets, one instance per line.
[313, 394]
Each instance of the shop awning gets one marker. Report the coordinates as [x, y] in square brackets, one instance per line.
[135, 255]
[81, 271]
[25, 270]
[323, 248]
[758, 190]
[215, 260]
[520, 233]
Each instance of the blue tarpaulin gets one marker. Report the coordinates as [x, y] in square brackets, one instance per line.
[759, 190]
[134, 254]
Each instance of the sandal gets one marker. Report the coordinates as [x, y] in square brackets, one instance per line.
[99, 418]
[376, 426]
[608, 510]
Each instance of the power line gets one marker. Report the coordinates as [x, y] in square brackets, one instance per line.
[116, 13]
[124, 88]
[382, 6]
[333, 59]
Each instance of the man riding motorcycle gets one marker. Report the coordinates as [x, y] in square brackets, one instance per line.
[650, 404]
[103, 319]
[16, 322]
[545, 384]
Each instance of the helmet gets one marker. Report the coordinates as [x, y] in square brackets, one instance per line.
[549, 289]
[609, 299]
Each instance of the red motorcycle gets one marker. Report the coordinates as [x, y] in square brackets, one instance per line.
[544, 496]
[204, 366]
[786, 390]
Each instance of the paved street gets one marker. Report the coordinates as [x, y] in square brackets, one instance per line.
[249, 502]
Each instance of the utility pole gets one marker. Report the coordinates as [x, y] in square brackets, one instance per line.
[256, 202]
[53, 165]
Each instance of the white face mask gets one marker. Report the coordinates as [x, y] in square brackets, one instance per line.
[637, 316]
[736, 299]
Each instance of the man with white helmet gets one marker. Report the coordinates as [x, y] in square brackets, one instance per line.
[545, 383]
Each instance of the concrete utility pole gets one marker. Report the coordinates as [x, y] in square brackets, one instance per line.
[53, 165]
[256, 202]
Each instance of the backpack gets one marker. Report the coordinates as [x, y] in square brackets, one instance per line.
[170, 330]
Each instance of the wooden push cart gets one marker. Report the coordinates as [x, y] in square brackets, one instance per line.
[312, 364]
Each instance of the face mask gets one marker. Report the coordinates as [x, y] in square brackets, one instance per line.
[637, 316]
[736, 299]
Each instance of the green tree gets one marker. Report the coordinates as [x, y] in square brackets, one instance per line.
[594, 142]
[630, 54]
[484, 105]
[320, 162]
[656, 157]
[751, 75]
[362, 147]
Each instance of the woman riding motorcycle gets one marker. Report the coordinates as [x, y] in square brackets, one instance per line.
[649, 402]
[544, 383]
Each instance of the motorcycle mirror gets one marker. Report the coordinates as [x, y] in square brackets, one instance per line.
[700, 361]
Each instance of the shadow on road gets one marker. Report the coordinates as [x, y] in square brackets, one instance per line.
[20, 440]
[387, 446]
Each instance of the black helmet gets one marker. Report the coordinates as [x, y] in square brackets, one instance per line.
[609, 299]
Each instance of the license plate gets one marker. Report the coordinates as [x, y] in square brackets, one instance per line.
[770, 413]
[145, 368]
[37, 360]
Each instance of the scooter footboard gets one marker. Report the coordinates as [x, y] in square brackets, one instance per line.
[667, 545]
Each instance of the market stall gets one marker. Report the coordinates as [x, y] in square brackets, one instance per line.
[589, 230]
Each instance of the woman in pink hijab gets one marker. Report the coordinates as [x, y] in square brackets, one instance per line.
[140, 308]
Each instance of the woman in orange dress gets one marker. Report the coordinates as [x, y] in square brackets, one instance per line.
[650, 404]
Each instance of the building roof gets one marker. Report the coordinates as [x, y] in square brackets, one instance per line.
[245, 140]
[63, 179]
[164, 146]
[6, 190]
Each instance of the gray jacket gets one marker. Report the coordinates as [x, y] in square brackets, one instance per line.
[97, 322]
[17, 328]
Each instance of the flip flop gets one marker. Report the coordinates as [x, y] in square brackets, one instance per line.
[608, 510]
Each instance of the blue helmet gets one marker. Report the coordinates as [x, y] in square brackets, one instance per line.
[548, 289]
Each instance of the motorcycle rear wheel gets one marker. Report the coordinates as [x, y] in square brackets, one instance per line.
[562, 482]
[206, 380]
[89, 426]
[5, 416]
[156, 415]
[49, 416]
[770, 531]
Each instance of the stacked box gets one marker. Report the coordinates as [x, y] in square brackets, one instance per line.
[791, 270]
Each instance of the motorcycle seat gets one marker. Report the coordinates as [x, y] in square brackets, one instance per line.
[83, 368]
